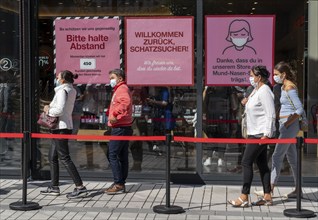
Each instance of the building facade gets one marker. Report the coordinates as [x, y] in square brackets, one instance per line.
[202, 100]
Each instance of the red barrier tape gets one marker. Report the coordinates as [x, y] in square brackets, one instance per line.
[161, 138]
[98, 137]
[311, 141]
[235, 140]
[11, 135]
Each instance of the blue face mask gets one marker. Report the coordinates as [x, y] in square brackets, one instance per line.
[278, 80]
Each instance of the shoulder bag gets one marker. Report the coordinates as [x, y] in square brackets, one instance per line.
[49, 121]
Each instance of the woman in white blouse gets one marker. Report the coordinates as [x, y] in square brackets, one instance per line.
[260, 112]
[62, 106]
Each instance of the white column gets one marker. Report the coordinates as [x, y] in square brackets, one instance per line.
[312, 97]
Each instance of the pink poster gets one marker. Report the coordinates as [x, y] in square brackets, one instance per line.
[87, 47]
[159, 50]
[234, 44]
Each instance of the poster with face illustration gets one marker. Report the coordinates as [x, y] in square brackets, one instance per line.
[234, 44]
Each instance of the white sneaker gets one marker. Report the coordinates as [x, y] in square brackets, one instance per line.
[208, 162]
[220, 162]
[155, 148]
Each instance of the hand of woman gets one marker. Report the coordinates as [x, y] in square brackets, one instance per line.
[244, 101]
[262, 138]
[46, 109]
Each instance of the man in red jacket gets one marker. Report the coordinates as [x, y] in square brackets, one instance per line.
[120, 120]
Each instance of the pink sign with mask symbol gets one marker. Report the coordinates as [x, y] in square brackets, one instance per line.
[234, 44]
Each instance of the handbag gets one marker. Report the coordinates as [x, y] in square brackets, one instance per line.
[48, 121]
[244, 126]
[303, 121]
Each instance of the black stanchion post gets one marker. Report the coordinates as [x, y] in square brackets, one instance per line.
[168, 209]
[26, 18]
[24, 205]
[298, 212]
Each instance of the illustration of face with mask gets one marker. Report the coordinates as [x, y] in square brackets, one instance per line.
[239, 34]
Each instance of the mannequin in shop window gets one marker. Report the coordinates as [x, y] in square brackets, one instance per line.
[89, 121]
[217, 104]
[139, 96]
[163, 120]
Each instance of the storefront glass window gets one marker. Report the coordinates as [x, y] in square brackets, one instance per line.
[93, 99]
[10, 94]
[221, 106]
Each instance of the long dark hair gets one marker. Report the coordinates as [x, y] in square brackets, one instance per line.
[284, 67]
[68, 76]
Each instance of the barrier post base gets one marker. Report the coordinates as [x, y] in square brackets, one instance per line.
[24, 207]
[303, 213]
[163, 209]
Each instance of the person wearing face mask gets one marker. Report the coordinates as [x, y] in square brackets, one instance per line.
[290, 111]
[260, 113]
[62, 106]
[120, 121]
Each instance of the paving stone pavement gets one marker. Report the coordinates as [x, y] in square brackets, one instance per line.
[202, 202]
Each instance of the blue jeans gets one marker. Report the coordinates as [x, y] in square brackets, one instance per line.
[285, 149]
[118, 154]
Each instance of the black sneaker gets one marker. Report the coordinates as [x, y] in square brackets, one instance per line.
[52, 191]
[77, 193]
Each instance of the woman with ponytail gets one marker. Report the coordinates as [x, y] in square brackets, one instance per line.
[62, 106]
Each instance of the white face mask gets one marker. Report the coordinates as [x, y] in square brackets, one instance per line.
[254, 84]
[57, 82]
[239, 42]
[278, 80]
[113, 83]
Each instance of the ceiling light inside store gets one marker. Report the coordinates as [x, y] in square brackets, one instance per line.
[253, 9]
[255, 3]
[229, 11]
[60, 3]
[230, 3]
